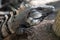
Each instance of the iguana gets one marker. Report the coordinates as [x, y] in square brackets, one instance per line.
[18, 16]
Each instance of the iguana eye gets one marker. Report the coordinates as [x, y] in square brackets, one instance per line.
[34, 17]
[36, 14]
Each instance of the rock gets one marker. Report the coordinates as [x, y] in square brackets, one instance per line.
[56, 26]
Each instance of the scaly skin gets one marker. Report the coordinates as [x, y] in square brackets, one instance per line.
[41, 31]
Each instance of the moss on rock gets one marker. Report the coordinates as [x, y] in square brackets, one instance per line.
[56, 26]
